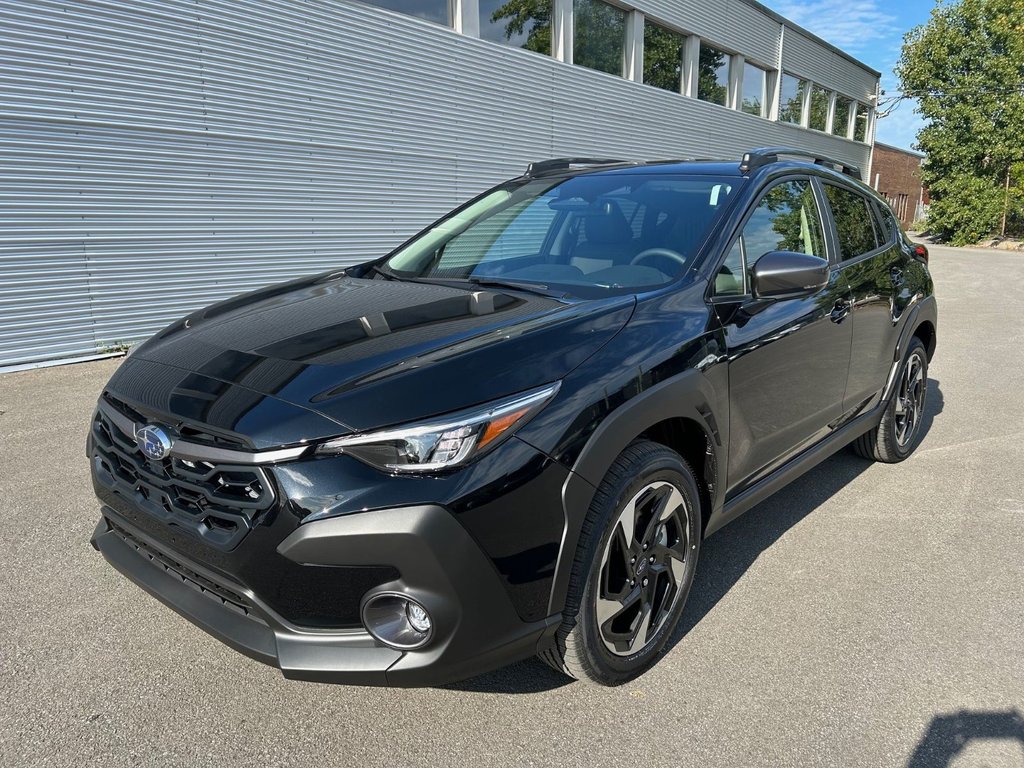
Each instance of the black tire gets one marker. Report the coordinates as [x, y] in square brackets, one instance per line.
[644, 477]
[894, 439]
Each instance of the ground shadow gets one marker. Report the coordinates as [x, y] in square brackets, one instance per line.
[725, 556]
[949, 735]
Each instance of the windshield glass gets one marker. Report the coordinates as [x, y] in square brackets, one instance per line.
[590, 235]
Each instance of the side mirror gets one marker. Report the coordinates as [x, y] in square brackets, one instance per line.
[788, 275]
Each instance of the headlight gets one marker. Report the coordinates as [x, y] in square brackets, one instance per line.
[444, 442]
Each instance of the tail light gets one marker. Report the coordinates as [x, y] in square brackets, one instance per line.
[921, 252]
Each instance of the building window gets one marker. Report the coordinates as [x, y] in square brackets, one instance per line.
[519, 24]
[791, 99]
[713, 75]
[752, 100]
[841, 119]
[860, 125]
[818, 119]
[663, 57]
[431, 10]
[599, 37]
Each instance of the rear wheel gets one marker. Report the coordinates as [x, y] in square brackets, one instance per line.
[633, 569]
[899, 431]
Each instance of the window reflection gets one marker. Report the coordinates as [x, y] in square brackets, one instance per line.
[860, 125]
[663, 57]
[519, 23]
[599, 36]
[819, 108]
[841, 121]
[752, 101]
[713, 75]
[791, 99]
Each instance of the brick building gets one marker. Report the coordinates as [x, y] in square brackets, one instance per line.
[896, 175]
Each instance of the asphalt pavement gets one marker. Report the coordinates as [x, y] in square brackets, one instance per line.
[867, 615]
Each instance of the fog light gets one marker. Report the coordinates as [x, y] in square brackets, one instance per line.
[418, 617]
[397, 621]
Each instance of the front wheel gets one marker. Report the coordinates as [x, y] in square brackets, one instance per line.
[633, 569]
[899, 431]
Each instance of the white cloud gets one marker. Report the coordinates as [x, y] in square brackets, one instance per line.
[852, 25]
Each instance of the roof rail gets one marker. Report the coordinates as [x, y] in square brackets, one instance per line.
[757, 158]
[565, 163]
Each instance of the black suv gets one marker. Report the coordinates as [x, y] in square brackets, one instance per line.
[510, 435]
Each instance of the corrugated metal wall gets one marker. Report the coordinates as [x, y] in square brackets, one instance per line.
[156, 156]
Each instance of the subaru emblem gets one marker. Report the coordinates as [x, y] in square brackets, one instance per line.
[154, 442]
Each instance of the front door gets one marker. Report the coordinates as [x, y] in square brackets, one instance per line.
[788, 359]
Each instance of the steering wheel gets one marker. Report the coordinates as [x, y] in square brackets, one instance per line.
[664, 252]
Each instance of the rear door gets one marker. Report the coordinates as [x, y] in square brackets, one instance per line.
[871, 260]
[788, 359]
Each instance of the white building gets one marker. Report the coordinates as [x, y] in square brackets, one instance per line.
[157, 155]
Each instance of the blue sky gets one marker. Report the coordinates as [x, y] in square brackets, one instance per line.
[871, 31]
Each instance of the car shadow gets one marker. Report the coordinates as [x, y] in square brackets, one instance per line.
[949, 735]
[725, 556]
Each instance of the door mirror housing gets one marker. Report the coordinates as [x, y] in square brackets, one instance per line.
[788, 275]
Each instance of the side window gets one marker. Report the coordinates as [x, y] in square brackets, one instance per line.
[786, 219]
[855, 224]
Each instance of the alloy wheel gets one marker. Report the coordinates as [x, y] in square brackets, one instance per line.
[642, 568]
[910, 400]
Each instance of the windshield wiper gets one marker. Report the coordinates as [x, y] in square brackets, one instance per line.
[383, 273]
[498, 282]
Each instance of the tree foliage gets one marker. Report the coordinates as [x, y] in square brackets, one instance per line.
[531, 16]
[965, 67]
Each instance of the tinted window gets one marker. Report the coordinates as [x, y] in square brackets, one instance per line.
[713, 75]
[752, 99]
[786, 219]
[593, 234]
[663, 57]
[431, 10]
[599, 36]
[791, 99]
[523, 25]
[854, 222]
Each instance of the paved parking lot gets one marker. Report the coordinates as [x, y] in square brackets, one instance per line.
[868, 615]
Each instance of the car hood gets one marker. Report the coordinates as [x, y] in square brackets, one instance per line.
[360, 354]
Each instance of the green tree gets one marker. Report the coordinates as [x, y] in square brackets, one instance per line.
[965, 67]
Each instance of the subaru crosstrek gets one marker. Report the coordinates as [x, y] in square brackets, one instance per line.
[510, 435]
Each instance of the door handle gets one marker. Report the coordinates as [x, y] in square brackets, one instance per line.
[839, 311]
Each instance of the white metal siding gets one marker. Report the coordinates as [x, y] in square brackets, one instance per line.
[732, 24]
[805, 57]
[157, 156]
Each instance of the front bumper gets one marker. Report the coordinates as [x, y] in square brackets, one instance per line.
[476, 626]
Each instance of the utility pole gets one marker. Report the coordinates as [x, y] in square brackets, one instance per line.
[1006, 204]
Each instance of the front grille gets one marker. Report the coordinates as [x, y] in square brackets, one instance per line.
[217, 503]
[229, 598]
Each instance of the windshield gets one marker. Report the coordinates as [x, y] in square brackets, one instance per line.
[590, 235]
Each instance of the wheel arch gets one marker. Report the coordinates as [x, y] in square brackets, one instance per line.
[677, 413]
[925, 331]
